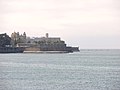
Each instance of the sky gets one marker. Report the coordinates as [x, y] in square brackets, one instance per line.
[89, 24]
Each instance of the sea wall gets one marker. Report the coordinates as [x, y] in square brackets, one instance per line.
[11, 50]
[32, 49]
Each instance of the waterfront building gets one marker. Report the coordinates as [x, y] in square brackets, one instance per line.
[21, 43]
[45, 43]
[17, 38]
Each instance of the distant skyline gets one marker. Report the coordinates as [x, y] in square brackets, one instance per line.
[84, 23]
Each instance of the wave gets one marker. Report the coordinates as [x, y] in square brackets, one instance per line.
[53, 66]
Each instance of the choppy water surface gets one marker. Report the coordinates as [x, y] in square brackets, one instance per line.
[87, 70]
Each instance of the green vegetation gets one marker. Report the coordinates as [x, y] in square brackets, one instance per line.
[4, 40]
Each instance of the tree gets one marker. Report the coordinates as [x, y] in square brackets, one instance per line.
[4, 40]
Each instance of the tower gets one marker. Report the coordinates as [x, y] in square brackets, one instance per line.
[47, 35]
[24, 34]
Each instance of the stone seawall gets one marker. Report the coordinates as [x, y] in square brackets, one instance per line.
[11, 50]
[32, 49]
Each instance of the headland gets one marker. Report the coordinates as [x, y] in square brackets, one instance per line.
[21, 43]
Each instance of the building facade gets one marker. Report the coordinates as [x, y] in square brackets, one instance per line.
[17, 38]
[39, 44]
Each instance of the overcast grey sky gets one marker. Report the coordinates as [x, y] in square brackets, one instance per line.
[84, 23]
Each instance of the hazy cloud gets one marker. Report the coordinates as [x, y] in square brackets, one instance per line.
[70, 19]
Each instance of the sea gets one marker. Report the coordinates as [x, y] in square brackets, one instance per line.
[89, 69]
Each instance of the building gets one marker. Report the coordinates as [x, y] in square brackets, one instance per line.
[45, 43]
[17, 38]
[6, 47]
[45, 39]
[40, 43]
[21, 43]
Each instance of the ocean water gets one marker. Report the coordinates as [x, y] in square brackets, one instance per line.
[85, 70]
